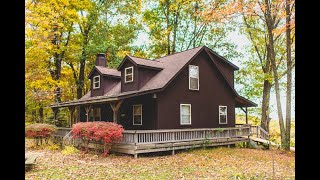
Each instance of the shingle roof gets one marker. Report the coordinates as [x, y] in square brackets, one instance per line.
[147, 62]
[171, 65]
[108, 71]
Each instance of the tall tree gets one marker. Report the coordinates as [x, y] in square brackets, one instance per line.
[271, 22]
[98, 31]
[289, 75]
[50, 24]
[185, 25]
[258, 38]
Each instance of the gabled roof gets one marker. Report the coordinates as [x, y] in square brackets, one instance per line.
[106, 71]
[221, 58]
[147, 63]
[171, 66]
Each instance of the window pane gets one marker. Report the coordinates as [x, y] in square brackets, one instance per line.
[185, 110]
[193, 83]
[129, 71]
[223, 110]
[193, 71]
[185, 119]
[223, 118]
[137, 110]
[129, 77]
[137, 119]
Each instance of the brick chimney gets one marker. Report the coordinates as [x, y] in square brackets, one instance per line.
[101, 60]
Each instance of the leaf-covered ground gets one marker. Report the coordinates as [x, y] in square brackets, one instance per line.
[210, 163]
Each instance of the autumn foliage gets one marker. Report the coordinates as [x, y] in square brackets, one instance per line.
[40, 131]
[103, 132]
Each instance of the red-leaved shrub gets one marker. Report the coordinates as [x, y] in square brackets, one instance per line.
[39, 131]
[104, 132]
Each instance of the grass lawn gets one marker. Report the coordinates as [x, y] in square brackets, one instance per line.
[210, 163]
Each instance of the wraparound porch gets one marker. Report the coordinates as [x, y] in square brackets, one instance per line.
[144, 141]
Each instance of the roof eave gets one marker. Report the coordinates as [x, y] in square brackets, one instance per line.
[224, 59]
[150, 67]
[247, 102]
[102, 99]
[124, 59]
[113, 76]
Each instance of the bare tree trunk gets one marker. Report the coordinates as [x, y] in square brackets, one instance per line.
[289, 76]
[195, 25]
[80, 84]
[175, 27]
[34, 115]
[41, 114]
[272, 56]
[265, 105]
[57, 58]
[167, 13]
[266, 68]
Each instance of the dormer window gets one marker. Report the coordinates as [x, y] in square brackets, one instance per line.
[128, 73]
[96, 82]
[193, 77]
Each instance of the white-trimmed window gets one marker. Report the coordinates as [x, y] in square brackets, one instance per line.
[96, 82]
[95, 114]
[137, 114]
[128, 74]
[193, 77]
[223, 115]
[185, 114]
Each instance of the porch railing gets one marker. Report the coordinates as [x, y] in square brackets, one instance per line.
[172, 135]
[256, 131]
[62, 132]
[179, 135]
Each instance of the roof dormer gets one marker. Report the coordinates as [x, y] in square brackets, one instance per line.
[136, 72]
[102, 78]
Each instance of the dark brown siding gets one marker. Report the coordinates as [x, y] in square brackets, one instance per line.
[226, 69]
[106, 112]
[106, 84]
[148, 112]
[145, 75]
[126, 112]
[96, 92]
[204, 103]
[130, 86]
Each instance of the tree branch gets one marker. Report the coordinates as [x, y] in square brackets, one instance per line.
[251, 38]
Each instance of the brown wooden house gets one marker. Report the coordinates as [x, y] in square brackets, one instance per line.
[190, 89]
[187, 90]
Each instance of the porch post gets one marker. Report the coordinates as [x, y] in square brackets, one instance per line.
[77, 119]
[55, 114]
[115, 106]
[246, 115]
[87, 108]
[71, 111]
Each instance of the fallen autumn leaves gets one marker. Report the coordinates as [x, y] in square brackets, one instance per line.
[212, 163]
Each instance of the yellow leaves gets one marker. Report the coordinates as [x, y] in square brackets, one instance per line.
[123, 53]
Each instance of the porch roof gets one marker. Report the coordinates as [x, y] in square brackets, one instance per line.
[244, 102]
[86, 99]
